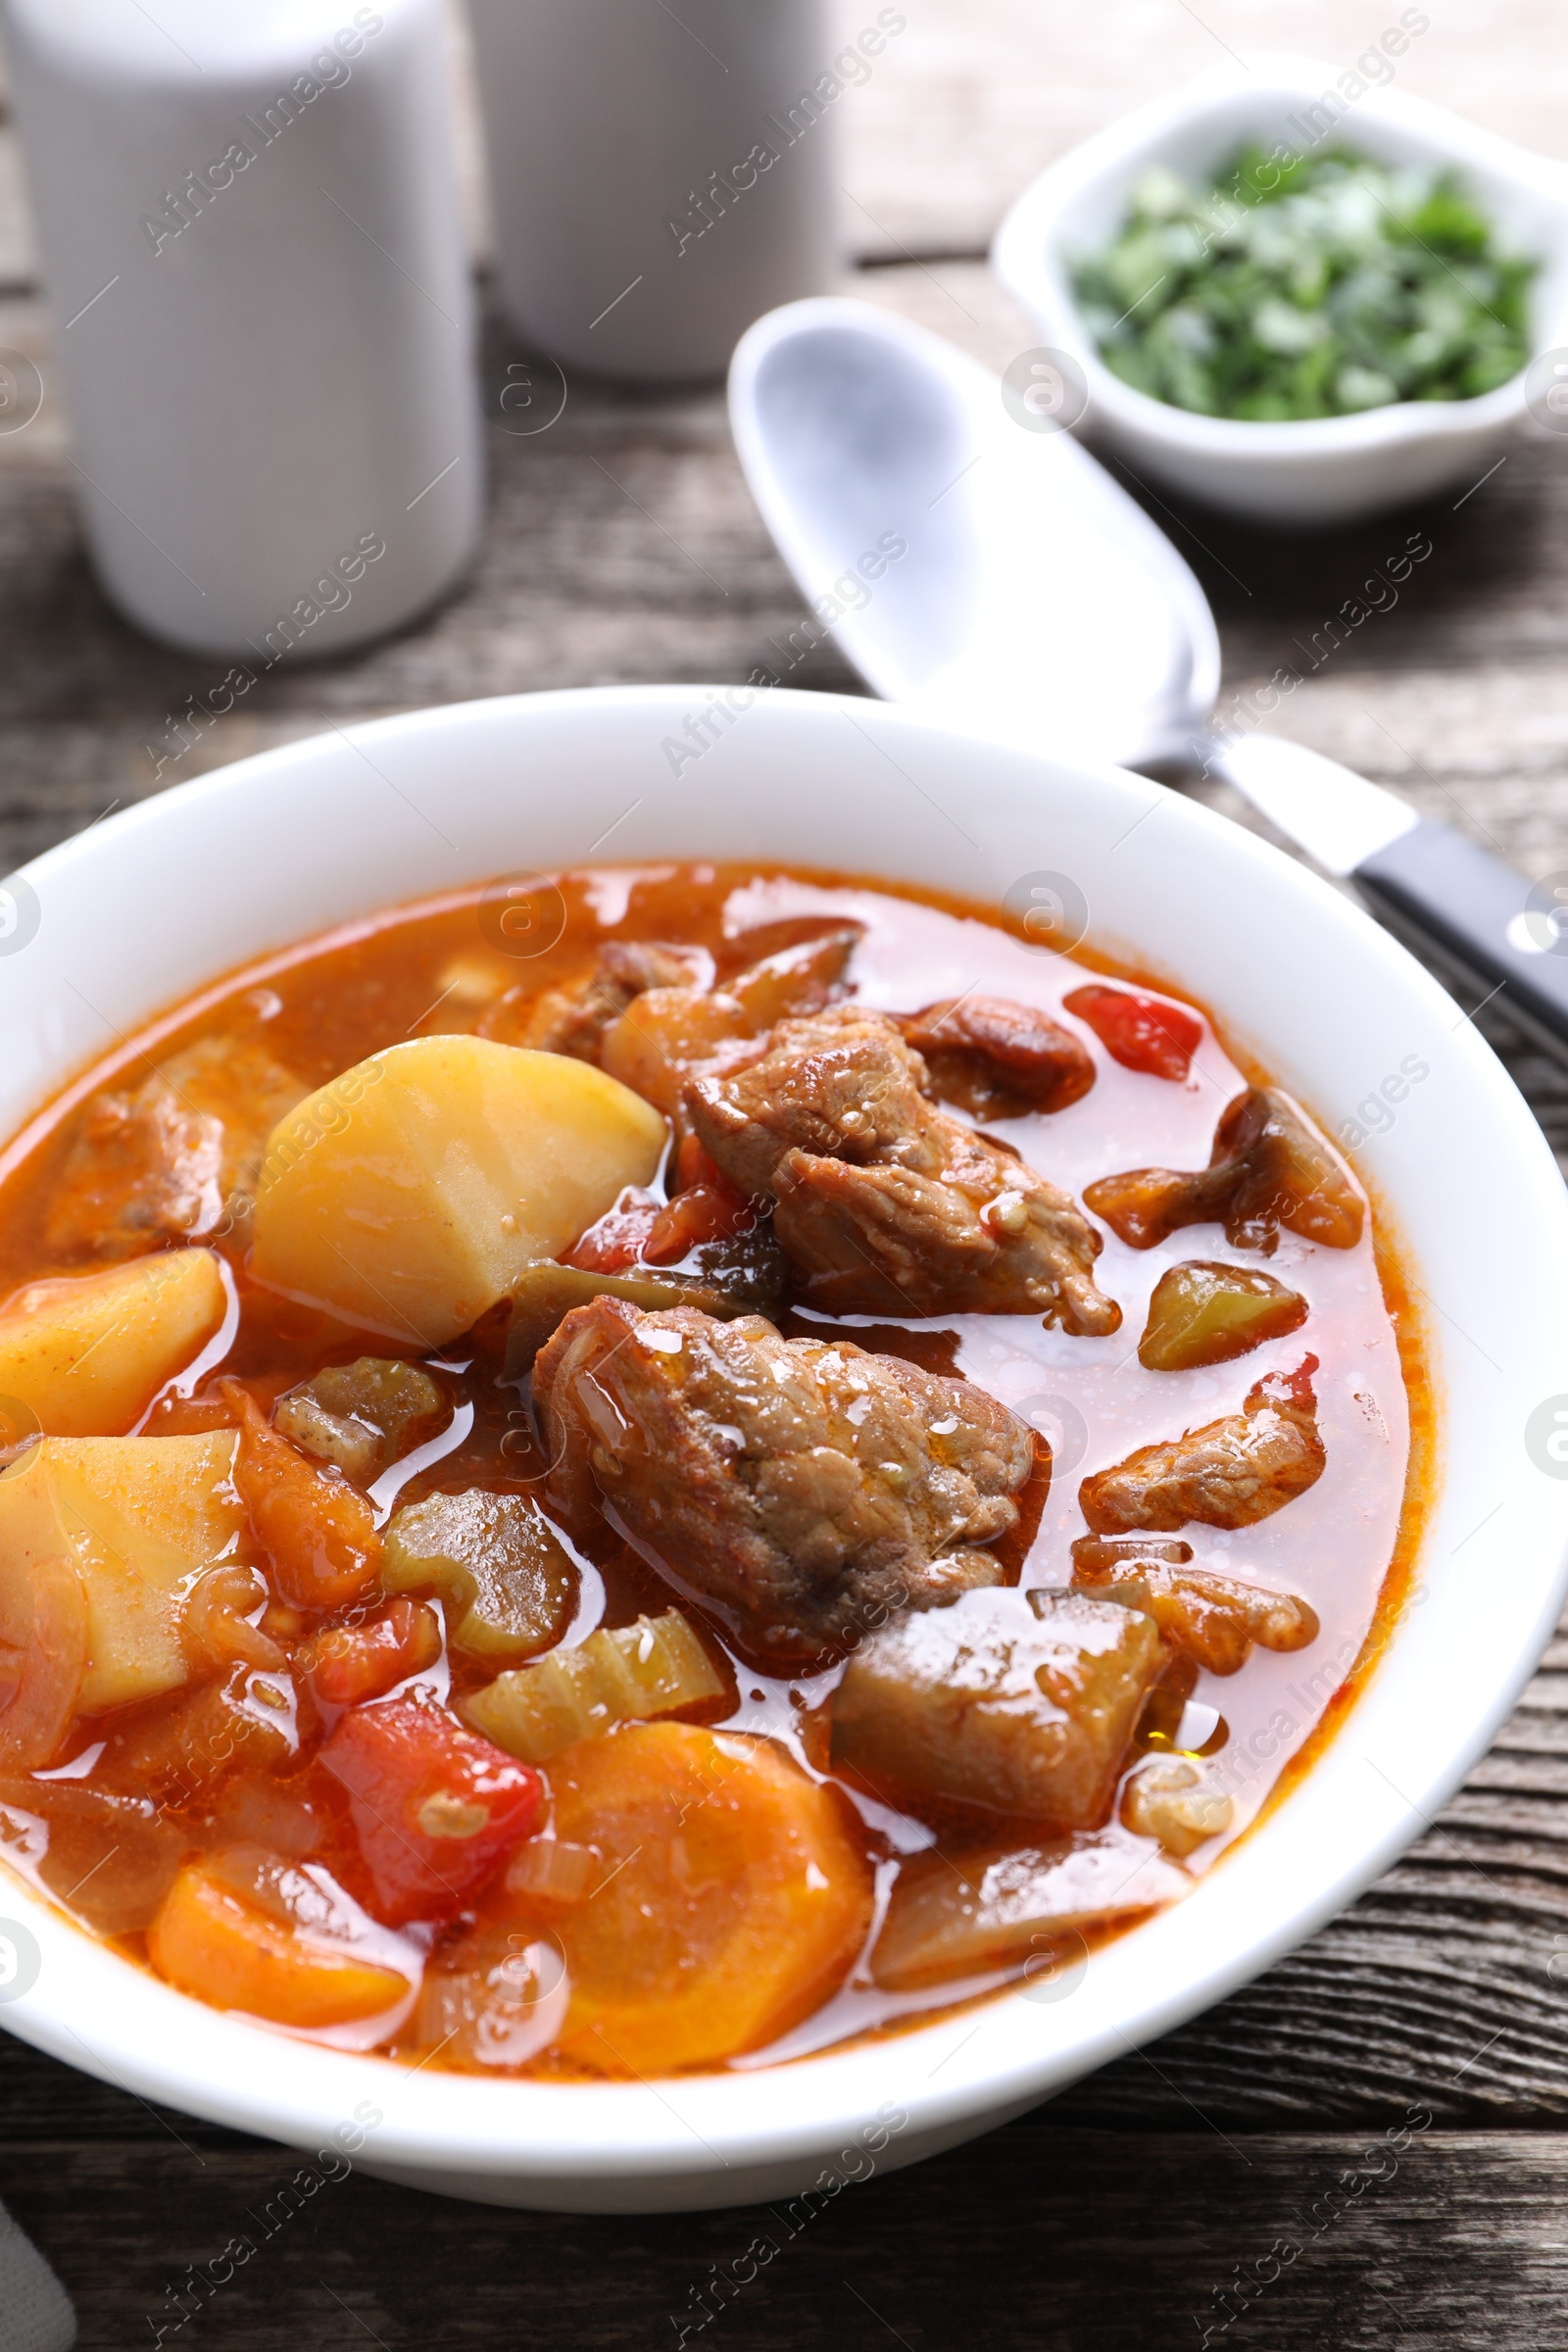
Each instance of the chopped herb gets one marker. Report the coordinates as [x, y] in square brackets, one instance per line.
[1312, 288]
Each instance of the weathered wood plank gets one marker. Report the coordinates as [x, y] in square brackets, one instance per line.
[1038, 2234]
[978, 95]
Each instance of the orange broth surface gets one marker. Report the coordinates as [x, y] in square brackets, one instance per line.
[1347, 1546]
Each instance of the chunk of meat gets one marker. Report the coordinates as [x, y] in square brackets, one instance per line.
[169, 1157]
[1025, 1702]
[998, 1059]
[1269, 1167]
[673, 1034]
[573, 1017]
[1212, 1619]
[1230, 1473]
[688, 1021]
[883, 1204]
[798, 1489]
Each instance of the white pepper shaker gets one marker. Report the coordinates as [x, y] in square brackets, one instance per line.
[252, 243]
[662, 175]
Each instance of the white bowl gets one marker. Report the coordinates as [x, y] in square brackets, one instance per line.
[1323, 469]
[151, 905]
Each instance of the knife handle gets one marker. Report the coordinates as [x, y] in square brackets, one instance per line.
[1443, 892]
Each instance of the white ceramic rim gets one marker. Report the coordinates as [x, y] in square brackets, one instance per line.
[1439, 1693]
[1030, 261]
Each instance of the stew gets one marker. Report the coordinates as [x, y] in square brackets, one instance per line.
[668, 1483]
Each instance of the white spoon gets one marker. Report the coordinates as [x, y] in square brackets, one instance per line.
[1038, 602]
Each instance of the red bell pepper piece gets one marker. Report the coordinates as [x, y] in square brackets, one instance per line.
[349, 1664]
[436, 1809]
[616, 1240]
[708, 1212]
[1142, 1032]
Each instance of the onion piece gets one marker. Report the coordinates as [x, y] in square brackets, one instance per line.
[46, 1672]
[1001, 1906]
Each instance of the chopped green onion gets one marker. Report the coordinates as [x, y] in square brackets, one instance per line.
[1318, 287]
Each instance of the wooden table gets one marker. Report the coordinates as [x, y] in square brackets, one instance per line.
[623, 546]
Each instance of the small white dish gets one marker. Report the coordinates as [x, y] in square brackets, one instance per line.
[1323, 469]
[138, 912]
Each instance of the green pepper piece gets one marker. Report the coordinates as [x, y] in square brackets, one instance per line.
[496, 1560]
[1203, 1312]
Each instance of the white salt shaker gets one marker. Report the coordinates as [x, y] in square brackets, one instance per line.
[662, 175]
[251, 237]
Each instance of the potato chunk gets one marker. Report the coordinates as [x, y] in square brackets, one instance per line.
[86, 1354]
[410, 1194]
[160, 1163]
[139, 1517]
[1021, 1701]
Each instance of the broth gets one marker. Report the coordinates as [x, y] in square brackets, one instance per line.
[438, 969]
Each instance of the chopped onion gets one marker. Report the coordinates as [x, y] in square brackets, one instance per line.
[1004, 1907]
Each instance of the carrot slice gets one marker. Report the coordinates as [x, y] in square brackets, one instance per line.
[318, 1531]
[208, 1942]
[731, 1901]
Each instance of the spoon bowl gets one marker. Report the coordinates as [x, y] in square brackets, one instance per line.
[1032, 592]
